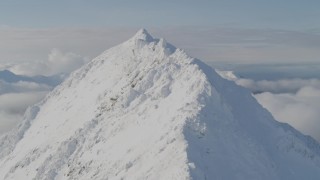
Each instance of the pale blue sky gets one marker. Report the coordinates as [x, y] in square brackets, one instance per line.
[212, 30]
[275, 14]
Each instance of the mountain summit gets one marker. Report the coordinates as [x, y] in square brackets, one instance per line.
[143, 35]
[146, 110]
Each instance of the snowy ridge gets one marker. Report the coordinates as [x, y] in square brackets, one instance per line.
[8, 141]
[146, 110]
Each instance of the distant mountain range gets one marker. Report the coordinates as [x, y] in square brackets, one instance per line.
[10, 77]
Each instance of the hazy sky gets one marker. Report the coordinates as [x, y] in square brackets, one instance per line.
[226, 30]
[279, 14]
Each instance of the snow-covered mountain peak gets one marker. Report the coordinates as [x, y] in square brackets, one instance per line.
[146, 110]
[143, 35]
[141, 46]
[143, 41]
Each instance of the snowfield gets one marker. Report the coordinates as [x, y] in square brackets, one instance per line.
[146, 110]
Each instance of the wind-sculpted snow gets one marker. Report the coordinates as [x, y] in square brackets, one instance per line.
[245, 141]
[8, 141]
[146, 110]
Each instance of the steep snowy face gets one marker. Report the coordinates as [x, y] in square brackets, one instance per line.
[146, 110]
[120, 116]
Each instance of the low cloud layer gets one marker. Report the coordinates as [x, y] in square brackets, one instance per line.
[294, 101]
[56, 63]
[15, 97]
[301, 109]
[8, 121]
[17, 102]
[22, 87]
[278, 86]
[206, 43]
[13, 106]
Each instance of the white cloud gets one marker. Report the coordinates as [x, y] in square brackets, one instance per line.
[8, 121]
[27, 45]
[16, 97]
[245, 45]
[301, 110]
[278, 86]
[14, 100]
[18, 102]
[22, 86]
[13, 106]
[57, 62]
[293, 101]
[211, 44]
[274, 86]
[60, 62]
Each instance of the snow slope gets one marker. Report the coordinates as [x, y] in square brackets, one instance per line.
[146, 110]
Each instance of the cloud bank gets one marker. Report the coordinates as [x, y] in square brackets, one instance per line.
[301, 109]
[278, 86]
[57, 62]
[293, 101]
[223, 44]
[14, 104]
[15, 97]
[8, 121]
[22, 87]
